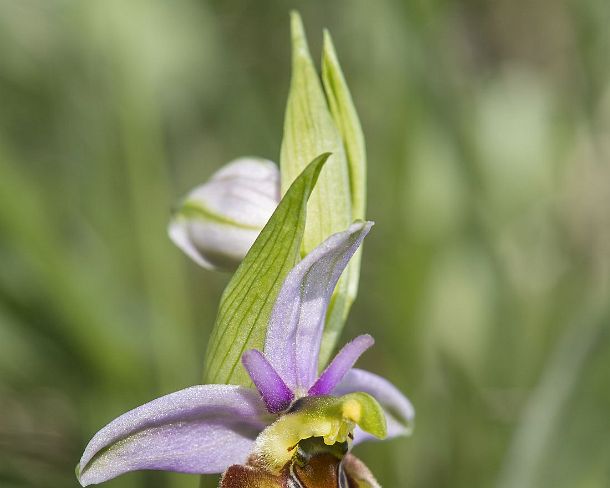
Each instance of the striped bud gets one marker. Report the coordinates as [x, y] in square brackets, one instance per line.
[217, 222]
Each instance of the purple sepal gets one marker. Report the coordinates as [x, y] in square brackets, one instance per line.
[276, 395]
[202, 429]
[340, 365]
[295, 328]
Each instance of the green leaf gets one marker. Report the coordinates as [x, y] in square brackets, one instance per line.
[309, 129]
[247, 301]
[346, 119]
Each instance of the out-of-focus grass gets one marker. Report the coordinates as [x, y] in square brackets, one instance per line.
[485, 281]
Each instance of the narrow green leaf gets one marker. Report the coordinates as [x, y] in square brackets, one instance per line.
[309, 130]
[247, 301]
[346, 119]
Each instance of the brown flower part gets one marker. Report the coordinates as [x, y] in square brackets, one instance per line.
[315, 465]
[238, 476]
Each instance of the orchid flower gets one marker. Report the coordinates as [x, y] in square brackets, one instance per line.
[292, 427]
[218, 221]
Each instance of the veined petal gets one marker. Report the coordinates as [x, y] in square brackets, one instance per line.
[276, 395]
[202, 429]
[399, 411]
[340, 365]
[295, 329]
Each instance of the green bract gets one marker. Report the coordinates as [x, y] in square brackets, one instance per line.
[344, 114]
[322, 118]
[246, 303]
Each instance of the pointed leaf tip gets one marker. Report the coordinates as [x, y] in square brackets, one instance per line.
[346, 118]
[297, 33]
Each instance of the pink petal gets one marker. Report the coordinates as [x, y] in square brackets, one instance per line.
[340, 365]
[297, 320]
[276, 395]
[202, 429]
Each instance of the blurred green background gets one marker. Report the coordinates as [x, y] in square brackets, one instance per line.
[485, 280]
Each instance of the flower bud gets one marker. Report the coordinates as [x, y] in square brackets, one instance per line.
[219, 221]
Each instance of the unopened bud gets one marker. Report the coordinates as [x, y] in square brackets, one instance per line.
[217, 223]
